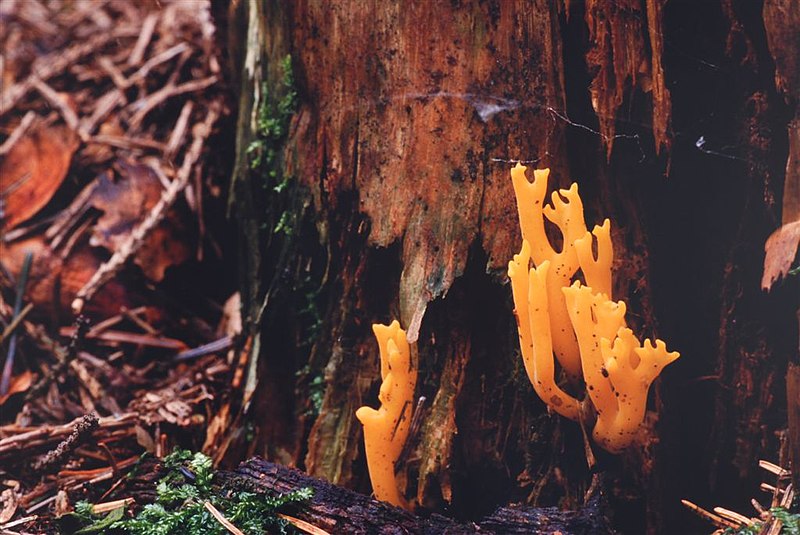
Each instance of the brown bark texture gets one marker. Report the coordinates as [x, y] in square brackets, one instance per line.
[338, 510]
[679, 122]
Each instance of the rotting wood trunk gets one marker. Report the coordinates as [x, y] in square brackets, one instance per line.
[676, 121]
[337, 510]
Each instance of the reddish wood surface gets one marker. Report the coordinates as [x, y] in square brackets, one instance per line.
[670, 118]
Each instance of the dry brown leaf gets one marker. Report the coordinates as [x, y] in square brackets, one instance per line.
[33, 170]
[144, 439]
[781, 248]
[791, 184]
[9, 500]
[62, 505]
[54, 282]
[20, 383]
[217, 429]
[125, 204]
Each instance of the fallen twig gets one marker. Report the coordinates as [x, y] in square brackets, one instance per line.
[83, 427]
[130, 338]
[148, 26]
[217, 346]
[52, 64]
[26, 438]
[708, 515]
[155, 61]
[146, 105]
[100, 508]
[221, 519]
[15, 322]
[178, 133]
[58, 102]
[18, 132]
[124, 142]
[64, 358]
[8, 367]
[18, 522]
[104, 106]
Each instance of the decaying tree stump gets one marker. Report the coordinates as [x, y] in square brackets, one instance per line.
[394, 174]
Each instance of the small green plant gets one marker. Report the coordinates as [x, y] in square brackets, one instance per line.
[790, 524]
[753, 529]
[316, 388]
[95, 523]
[264, 152]
[180, 505]
[790, 521]
[272, 126]
[272, 122]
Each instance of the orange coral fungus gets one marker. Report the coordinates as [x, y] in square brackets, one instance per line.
[386, 429]
[579, 323]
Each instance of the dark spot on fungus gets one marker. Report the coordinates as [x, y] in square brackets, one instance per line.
[555, 400]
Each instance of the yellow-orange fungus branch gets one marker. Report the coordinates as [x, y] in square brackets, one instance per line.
[529, 289]
[577, 322]
[386, 429]
[631, 369]
[566, 213]
[597, 271]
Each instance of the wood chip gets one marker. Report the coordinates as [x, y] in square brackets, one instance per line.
[221, 519]
[773, 468]
[100, 508]
[715, 519]
[148, 26]
[303, 526]
[733, 516]
[781, 250]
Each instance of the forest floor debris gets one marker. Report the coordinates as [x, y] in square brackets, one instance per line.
[774, 519]
[111, 205]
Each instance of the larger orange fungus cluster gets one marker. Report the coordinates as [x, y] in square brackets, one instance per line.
[576, 321]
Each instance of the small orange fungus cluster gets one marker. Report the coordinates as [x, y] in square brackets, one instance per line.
[386, 429]
[577, 322]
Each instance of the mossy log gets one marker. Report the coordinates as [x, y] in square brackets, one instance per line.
[338, 510]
